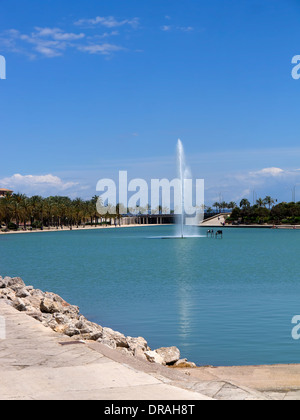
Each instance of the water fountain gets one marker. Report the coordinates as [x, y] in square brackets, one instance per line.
[186, 226]
[181, 168]
[188, 216]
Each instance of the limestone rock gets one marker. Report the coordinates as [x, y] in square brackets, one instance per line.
[183, 363]
[61, 319]
[22, 293]
[36, 315]
[71, 331]
[108, 342]
[96, 335]
[137, 343]
[3, 283]
[55, 313]
[48, 306]
[15, 283]
[119, 338]
[37, 293]
[20, 305]
[139, 353]
[7, 294]
[154, 357]
[170, 355]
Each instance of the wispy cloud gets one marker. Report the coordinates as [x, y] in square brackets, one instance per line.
[54, 42]
[48, 42]
[104, 49]
[169, 28]
[166, 28]
[108, 22]
[185, 28]
[56, 34]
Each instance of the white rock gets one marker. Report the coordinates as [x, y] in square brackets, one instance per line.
[154, 357]
[170, 355]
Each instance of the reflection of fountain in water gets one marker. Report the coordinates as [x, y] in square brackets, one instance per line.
[181, 175]
[184, 288]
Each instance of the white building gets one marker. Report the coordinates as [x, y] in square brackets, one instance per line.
[4, 192]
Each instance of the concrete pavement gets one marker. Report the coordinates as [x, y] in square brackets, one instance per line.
[277, 381]
[37, 364]
[215, 221]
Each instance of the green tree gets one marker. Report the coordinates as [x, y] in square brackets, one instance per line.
[260, 202]
[245, 204]
[217, 206]
[269, 201]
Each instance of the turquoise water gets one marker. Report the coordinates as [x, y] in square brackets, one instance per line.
[222, 302]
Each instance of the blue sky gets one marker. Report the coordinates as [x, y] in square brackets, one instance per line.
[101, 86]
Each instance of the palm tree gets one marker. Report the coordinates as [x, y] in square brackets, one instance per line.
[223, 205]
[25, 211]
[217, 206]
[244, 204]
[36, 207]
[6, 204]
[48, 206]
[209, 210]
[232, 205]
[18, 208]
[269, 201]
[77, 210]
[260, 202]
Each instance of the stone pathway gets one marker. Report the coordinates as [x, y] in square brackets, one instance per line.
[216, 221]
[34, 365]
[280, 382]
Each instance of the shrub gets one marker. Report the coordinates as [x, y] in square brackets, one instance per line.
[12, 226]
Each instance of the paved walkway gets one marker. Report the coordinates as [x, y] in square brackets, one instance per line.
[216, 221]
[34, 365]
[277, 381]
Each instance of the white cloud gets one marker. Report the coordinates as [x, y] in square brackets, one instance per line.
[56, 34]
[108, 22]
[169, 28]
[104, 35]
[53, 42]
[269, 172]
[185, 28]
[104, 49]
[49, 42]
[37, 184]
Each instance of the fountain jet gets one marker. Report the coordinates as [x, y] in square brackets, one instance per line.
[186, 223]
[181, 176]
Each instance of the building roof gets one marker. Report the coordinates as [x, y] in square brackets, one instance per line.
[5, 190]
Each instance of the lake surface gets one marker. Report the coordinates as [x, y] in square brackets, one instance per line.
[222, 302]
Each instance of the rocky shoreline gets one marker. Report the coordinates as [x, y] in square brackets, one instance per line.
[55, 313]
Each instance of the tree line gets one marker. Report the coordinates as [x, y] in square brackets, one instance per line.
[37, 212]
[266, 211]
[18, 210]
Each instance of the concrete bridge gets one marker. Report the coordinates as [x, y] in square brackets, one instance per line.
[159, 219]
[165, 219]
